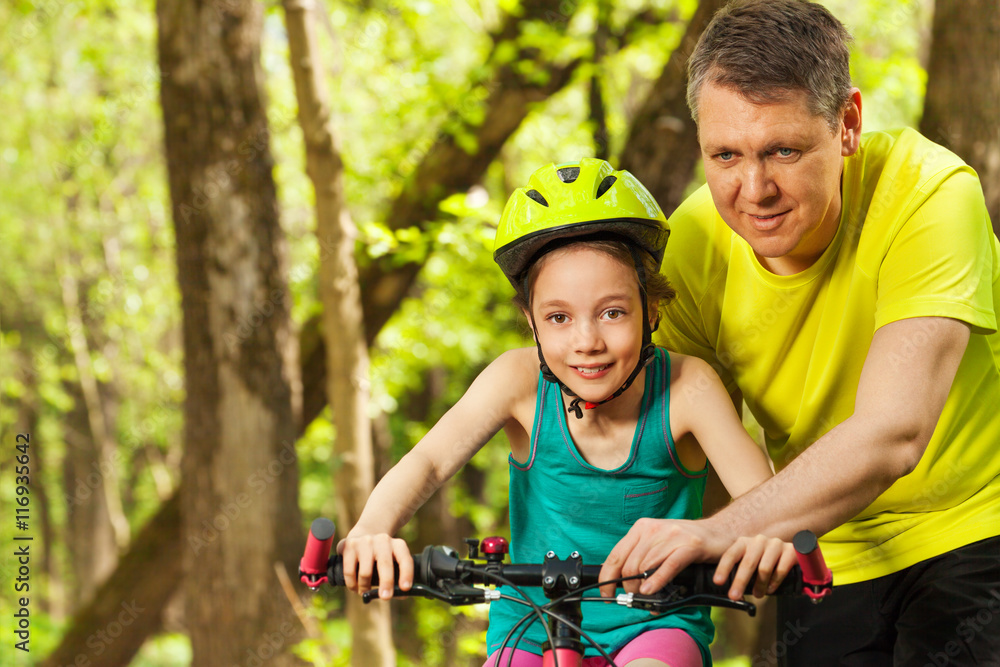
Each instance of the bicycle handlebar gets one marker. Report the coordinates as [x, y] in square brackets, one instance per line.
[439, 573]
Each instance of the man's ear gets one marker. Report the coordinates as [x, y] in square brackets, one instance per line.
[850, 126]
[654, 315]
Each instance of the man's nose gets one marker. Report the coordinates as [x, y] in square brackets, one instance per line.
[758, 183]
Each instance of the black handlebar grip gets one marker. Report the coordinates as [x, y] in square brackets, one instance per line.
[698, 578]
[312, 567]
[336, 572]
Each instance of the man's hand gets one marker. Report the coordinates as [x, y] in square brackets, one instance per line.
[667, 544]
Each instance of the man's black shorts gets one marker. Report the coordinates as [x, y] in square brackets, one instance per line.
[941, 612]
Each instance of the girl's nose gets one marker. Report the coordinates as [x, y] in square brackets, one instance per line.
[587, 337]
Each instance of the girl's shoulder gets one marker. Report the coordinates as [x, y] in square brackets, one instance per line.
[687, 371]
[514, 379]
[513, 375]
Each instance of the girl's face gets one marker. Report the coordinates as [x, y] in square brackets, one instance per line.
[588, 319]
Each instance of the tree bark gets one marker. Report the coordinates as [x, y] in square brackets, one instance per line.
[343, 324]
[962, 103]
[662, 146]
[595, 97]
[239, 504]
[90, 537]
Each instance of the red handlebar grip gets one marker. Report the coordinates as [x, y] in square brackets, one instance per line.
[815, 574]
[312, 567]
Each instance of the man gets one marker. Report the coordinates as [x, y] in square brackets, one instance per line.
[847, 287]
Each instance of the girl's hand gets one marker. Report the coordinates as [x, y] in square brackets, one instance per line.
[769, 557]
[364, 554]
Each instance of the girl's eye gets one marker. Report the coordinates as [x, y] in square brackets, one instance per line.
[558, 318]
[613, 314]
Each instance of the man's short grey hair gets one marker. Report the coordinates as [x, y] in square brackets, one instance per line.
[766, 50]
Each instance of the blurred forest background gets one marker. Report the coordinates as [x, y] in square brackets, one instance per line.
[216, 214]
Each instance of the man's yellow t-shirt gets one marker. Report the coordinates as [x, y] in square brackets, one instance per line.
[914, 241]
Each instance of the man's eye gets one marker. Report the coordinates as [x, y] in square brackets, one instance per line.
[725, 156]
[786, 152]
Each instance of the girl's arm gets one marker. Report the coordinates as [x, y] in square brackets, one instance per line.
[485, 408]
[702, 407]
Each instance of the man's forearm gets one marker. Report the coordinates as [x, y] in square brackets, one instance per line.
[829, 483]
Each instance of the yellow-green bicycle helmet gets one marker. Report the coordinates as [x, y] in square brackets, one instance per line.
[585, 198]
[571, 201]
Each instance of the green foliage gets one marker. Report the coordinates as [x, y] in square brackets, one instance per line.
[171, 650]
[891, 38]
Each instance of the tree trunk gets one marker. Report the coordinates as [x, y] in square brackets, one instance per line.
[239, 502]
[89, 535]
[343, 326]
[962, 104]
[662, 147]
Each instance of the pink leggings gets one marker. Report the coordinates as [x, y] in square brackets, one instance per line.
[670, 645]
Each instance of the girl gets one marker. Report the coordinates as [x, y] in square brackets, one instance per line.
[604, 427]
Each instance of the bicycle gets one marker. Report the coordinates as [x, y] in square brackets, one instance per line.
[441, 575]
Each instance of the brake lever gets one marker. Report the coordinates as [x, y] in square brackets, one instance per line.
[455, 595]
[660, 604]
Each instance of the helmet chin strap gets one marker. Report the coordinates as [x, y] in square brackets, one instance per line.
[646, 354]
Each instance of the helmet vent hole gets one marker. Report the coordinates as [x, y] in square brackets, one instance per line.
[537, 196]
[605, 186]
[568, 174]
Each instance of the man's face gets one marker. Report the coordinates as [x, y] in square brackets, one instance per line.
[774, 172]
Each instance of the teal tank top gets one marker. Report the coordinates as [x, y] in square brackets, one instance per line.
[560, 502]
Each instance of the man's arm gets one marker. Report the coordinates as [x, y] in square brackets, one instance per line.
[906, 378]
